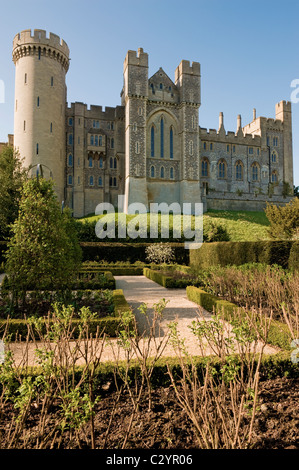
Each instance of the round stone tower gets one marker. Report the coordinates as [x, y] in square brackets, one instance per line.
[40, 100]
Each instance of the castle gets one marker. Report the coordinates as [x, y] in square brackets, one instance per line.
[150, 148]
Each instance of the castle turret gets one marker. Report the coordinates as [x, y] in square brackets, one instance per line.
[187, 80]
[135, 99]
[40, 99]
[283, 112]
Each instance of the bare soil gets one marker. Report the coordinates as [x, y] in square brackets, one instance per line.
[167, 426]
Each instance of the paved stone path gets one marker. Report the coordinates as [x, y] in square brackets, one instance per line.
[139, 290]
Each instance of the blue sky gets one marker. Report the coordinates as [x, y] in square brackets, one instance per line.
[248, 51]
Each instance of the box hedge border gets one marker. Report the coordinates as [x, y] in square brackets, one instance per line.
[165, 280]
[18, 328]
[279, 334]
[271, 367]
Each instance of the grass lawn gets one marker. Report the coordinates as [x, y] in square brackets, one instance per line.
[240, 225]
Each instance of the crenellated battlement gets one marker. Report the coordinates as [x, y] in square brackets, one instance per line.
[139, 58]
[229, 137]
[95, 111]
[25, 43]
[186, 68]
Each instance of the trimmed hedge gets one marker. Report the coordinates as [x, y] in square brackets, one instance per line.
[110, 324]
[237, 253]
[294, 257]
[166, 280]
[272, 366]
[129, 252]
[279, 334]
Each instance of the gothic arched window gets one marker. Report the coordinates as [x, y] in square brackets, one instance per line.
[205, 167]
[162, 137]
[152, 141]
[274, 177]
[255, 171]
[152, 172]
[239, 170]
[171, 142]
[222, 169]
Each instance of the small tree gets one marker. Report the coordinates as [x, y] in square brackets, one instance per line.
[284, 221]
[12, 177]
[160, 253]
[43, 251]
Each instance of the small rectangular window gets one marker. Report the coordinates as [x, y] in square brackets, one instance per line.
[24, 125]
[234, 148]
[70, 121]
[211, 146]
[52, 81]
[37, 149]
[25, 79]
[37, 102]
[227, 148]
[51, 128]
[250, 150]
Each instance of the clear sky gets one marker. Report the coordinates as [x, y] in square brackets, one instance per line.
[248, 51]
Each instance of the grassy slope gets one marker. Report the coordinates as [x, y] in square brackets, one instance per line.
[240, 225]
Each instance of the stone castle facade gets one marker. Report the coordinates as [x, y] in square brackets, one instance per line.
[150, 148]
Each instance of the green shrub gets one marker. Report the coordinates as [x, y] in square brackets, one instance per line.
[214, 232]
[284, 221]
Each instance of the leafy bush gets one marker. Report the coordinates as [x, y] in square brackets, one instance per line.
[214, 232]
[160, 253]
[284, 221]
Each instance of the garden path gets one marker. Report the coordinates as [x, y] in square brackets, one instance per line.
[139, 290]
